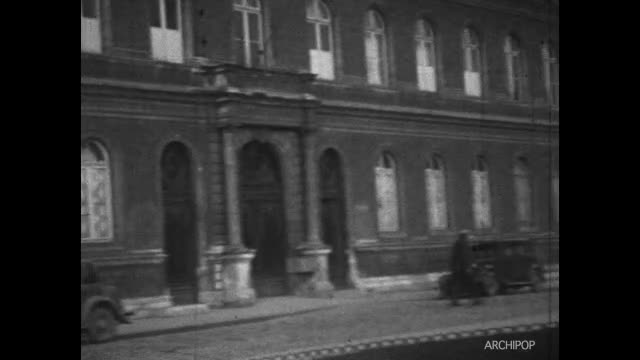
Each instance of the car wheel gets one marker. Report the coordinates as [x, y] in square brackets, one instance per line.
[101, 325]
[444, 285]
[536, 281]
[490, 284]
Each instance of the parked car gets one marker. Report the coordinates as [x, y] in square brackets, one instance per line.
[500, 265]
[100, 306]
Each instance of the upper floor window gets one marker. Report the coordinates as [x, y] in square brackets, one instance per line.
[387, 194]
[522, 184]
[436, 193]
[555, 189]
[551, 73]
[320, 39]
[90, 35]
[472, 63]
[375, 48]
[425, 56]
[481, 194]
[166, 30]
[96, 222]
[515, 69]
[247, 32]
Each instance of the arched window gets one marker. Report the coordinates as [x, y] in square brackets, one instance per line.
[472, 63]
[436, 193]
[522, 184]
[425, 56]
[515, 69]
[481, 194]
[166, 30]
[551, 73]
[247, 32]
[96, 223]
[375, 47]
[320, 39]
[90, 38]
[387, 194]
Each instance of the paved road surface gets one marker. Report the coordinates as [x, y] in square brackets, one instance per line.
[353, 322]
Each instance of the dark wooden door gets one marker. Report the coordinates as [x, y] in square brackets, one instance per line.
[263, 218]
[333, 217]
[179, 224]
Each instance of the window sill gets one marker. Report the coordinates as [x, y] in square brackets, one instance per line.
[392, 235]
[442, 232]
[97, 241]
[381, 88]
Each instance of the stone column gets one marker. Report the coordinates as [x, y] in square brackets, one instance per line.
[311, 192]
[313, 254]
[232, 199]
[236, 259]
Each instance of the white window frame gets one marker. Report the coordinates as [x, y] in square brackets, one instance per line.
[552, 85]
[321, 61]
[167, 44]
[472, 58]
[515, 80]
[387, 194]
[436, 191]
[89, 168]
[481, 190]
[375, 40]
[523, 194]
[425, 56]
[245, 8]
[90, 31]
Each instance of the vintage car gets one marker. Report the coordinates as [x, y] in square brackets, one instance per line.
[100, 307]
[500, 265]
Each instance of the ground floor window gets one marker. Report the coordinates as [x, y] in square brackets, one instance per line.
[95, 194]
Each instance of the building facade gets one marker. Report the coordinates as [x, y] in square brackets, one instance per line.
[233, 149]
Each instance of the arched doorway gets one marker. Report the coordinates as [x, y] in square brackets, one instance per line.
[263, 225]
[180, 242]
[333, 217]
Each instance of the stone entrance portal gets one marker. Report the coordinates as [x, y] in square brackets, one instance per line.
[263, 221]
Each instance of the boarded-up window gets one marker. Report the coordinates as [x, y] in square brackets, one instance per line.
[472, 63]
[481, 195]
[425, 56]
[515, 69]
[320, 51]
[90, 35]
[522, 183]
[551, 73]
[436, 194]
[375, 47]
[166, 34]
[555, 188]
[95, 194]
[387, 194]
[247, 30]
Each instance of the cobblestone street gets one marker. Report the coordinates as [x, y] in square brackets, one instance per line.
[382, 315]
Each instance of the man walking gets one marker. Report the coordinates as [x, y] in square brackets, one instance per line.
[463, 282]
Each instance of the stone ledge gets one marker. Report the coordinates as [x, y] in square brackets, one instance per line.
[430, 281]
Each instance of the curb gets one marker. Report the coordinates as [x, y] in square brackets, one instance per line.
[210, 325]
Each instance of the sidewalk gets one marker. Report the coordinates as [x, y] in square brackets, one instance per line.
[264, 309]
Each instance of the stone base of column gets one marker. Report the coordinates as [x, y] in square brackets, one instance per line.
[309, 272]
[236, 278]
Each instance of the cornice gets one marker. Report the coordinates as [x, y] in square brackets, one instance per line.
[551, 14]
